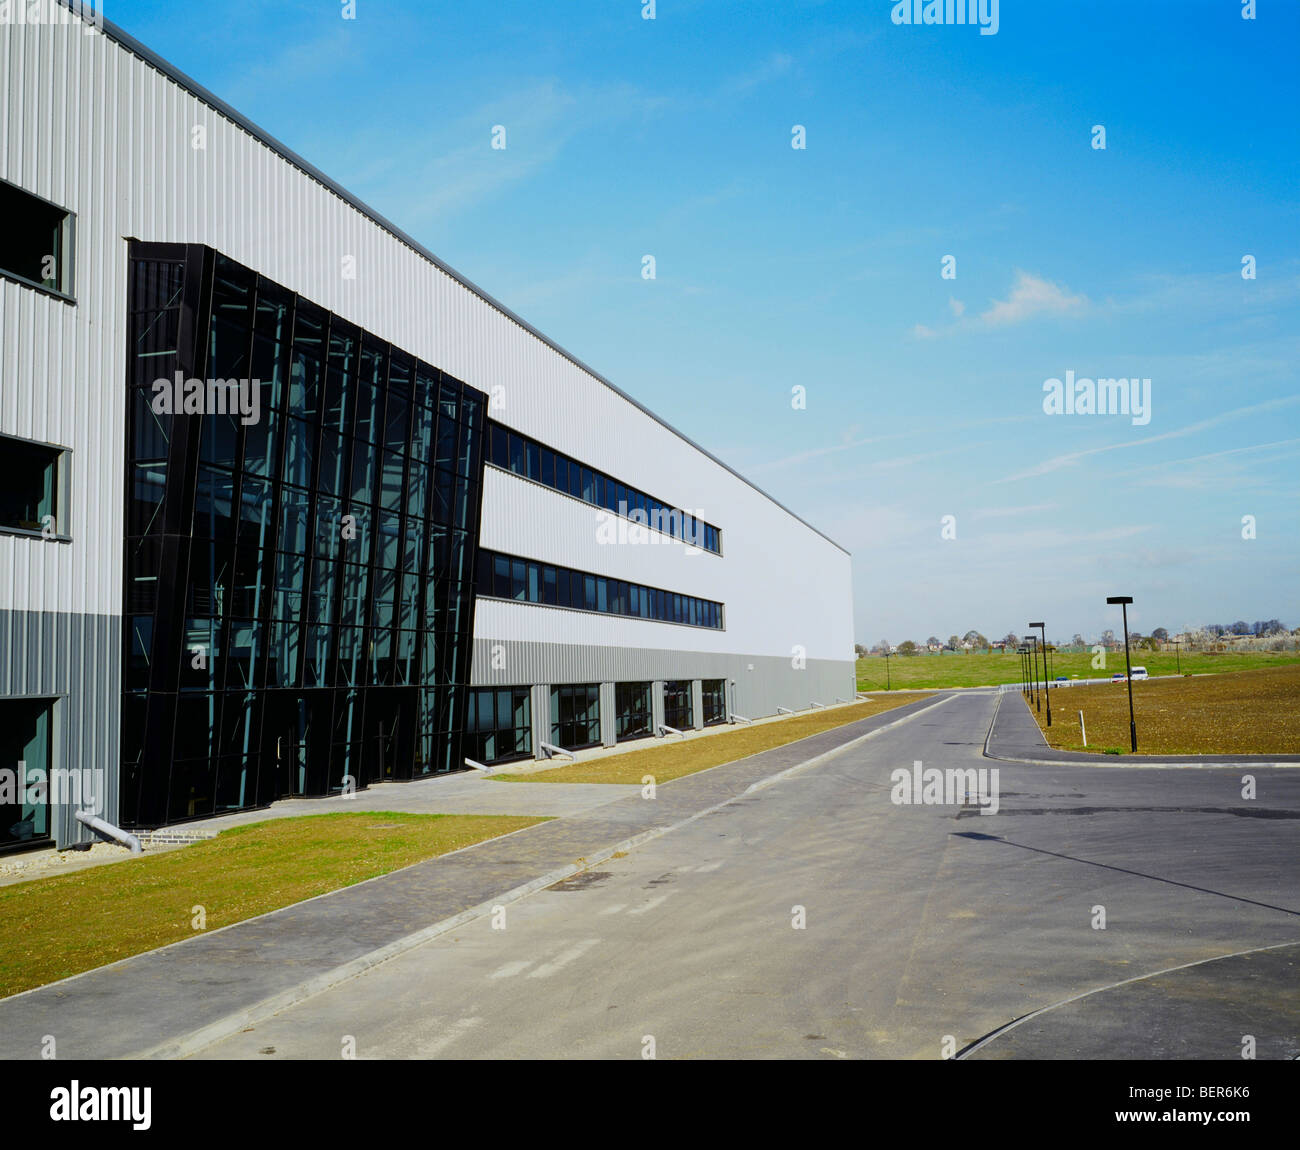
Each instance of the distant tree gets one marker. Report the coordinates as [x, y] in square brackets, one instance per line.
[1077, 641]
[1240, 627]
[975, 639]
[907, 647]
[1160, 634]
[954, 643]
[933, 641]
[859, 650]
[1012, 640]
[1107, 638]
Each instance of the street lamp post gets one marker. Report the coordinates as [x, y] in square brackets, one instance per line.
[1024, 673]
[1047, 687]
[1032, 640]
[1177, 644]
[887, 671]
[1124, 601]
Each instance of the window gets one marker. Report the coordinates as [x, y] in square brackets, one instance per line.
[25, 751]
[29, 496]
[36, 242]
[499, 724]
[632, 706]
[715, 701]
[524, 456]
[505, 577]
[677, 704]
[575, 716]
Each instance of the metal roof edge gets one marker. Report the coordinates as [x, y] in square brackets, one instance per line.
[129, 42]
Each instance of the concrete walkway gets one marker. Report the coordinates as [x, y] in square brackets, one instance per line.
[169, 1001]
[1015, 737]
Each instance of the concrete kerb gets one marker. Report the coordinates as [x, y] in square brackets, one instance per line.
[234, 1023]
[1130, 761]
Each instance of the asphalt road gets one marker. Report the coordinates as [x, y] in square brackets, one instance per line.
[924, 927]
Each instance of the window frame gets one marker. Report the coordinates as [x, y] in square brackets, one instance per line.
[62, 477]
[66, 291]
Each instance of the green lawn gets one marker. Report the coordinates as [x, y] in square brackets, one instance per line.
[59, 926]
[978, 670]
[1252, 712]
[677, 757]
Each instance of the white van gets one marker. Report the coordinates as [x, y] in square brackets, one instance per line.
[1140, 673]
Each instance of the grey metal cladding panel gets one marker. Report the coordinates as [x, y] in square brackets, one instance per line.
[774, 681]
[74, 659]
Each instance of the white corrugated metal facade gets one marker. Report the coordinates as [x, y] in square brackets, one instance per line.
[90, 125]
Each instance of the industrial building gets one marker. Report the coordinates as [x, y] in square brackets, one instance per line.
[291, 507]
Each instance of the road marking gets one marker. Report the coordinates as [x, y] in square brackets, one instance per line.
[704, 868]
[654, 902]
[453, 1032]
[577, 951]
[511, 969]
[615, 908]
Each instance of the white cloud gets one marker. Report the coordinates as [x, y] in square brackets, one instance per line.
[1032, 296]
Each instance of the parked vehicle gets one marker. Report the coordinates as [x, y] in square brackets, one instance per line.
[1117, 677]
[1140, 673]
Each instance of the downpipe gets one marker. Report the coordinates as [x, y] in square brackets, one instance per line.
[108, 830]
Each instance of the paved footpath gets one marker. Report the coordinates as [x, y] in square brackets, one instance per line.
[157, 1003]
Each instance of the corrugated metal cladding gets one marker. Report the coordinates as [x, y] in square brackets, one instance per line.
[762, 683]
[72, 660]
[94, 128]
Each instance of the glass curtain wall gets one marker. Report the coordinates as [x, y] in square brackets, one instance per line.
[302, 518]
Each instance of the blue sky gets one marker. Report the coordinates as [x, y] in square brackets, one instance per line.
[820, 267]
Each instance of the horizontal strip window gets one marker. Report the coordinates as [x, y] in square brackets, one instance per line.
[516, 453]
[509, 577]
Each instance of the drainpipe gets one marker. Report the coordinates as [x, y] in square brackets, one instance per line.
[108, 830]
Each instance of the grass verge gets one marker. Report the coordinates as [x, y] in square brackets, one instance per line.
[59, 926]
[1253, 712]
[980, 670]
[677, 758]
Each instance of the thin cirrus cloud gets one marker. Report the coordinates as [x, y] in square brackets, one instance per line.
[1059, 461]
